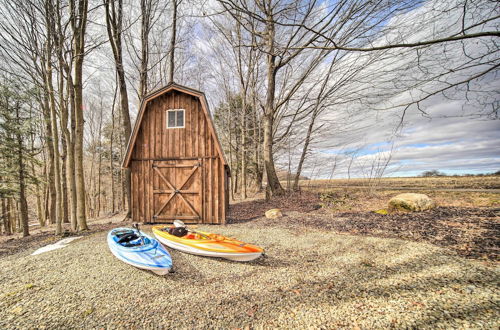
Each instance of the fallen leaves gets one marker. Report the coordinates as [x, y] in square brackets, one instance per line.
[252, 310]
[249, 210]
[418, 304]
[449, 227]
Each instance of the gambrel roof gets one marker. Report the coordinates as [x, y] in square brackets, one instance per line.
[159, 92]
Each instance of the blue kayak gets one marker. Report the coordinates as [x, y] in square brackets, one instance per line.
[140, 250]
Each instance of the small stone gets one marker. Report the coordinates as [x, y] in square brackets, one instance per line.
[273, 214]
[17, 310]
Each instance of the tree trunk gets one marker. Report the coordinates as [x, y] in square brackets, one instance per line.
[111, 167]
[17, 218]
[6, 217]
[124, 182]
[145, 28]
[304, 152]
[90, 191]
[272, 179]
[51, 211]
[64, 179]
[66, 172]
[243, 191]
[231, 163]
[67, 135]
[127, 129]
[70, 141]
[235, 186]
[46, 198]
[78, 25]
[98, 204]
[39, 208]
[114, 18]
[80, 178]
[12, 214]
[88, 204]
[143, 85]
[257, 145]
[55, 141]
[10, 228]
[23, 205]
[172, 41]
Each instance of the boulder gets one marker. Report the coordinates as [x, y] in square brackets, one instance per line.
[273, 214]
[410, 202]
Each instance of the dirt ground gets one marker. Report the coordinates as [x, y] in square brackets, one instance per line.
[331, 262]
[42, 236]
[473, 232]
[311, 277]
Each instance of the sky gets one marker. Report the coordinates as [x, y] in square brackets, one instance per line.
[452, 145]
[453, 136]
[456, 145]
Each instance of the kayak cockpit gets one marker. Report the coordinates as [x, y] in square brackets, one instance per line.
[130, 238]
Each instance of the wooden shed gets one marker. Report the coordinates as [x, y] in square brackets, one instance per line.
[177, 163]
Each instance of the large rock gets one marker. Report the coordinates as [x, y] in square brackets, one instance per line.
[410, 202]
[274, 213]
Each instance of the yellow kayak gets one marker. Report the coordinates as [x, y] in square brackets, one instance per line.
[207, 244]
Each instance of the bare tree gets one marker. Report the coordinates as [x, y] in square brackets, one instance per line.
[78, 22]
[175, 4]
[114, 24]
[48, 73]
[279, 34]
[27, 51]
[283, 29]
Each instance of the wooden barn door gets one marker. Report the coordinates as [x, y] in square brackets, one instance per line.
[177, 190]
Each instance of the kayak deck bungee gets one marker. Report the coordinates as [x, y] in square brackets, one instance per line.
[139, 250]
[208, 244]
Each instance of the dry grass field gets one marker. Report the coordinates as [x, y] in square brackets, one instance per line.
[368, 195]
[427, 183]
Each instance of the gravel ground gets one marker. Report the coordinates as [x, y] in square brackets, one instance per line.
[309, 279]
[470, 232]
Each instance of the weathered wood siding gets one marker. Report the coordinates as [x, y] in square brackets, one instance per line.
[155, 143]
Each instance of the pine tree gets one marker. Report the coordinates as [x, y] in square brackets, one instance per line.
[15, 126]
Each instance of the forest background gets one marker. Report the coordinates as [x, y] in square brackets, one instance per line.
[317, 88]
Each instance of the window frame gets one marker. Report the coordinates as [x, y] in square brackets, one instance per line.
[183, 118]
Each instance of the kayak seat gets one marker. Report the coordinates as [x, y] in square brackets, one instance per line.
[135, 242]
[178, 231]
[127, 238]
[122, 233]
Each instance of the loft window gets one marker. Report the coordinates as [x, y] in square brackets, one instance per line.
[175, 118]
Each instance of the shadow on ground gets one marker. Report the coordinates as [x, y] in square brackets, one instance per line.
[471, 232]
[250, 210]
